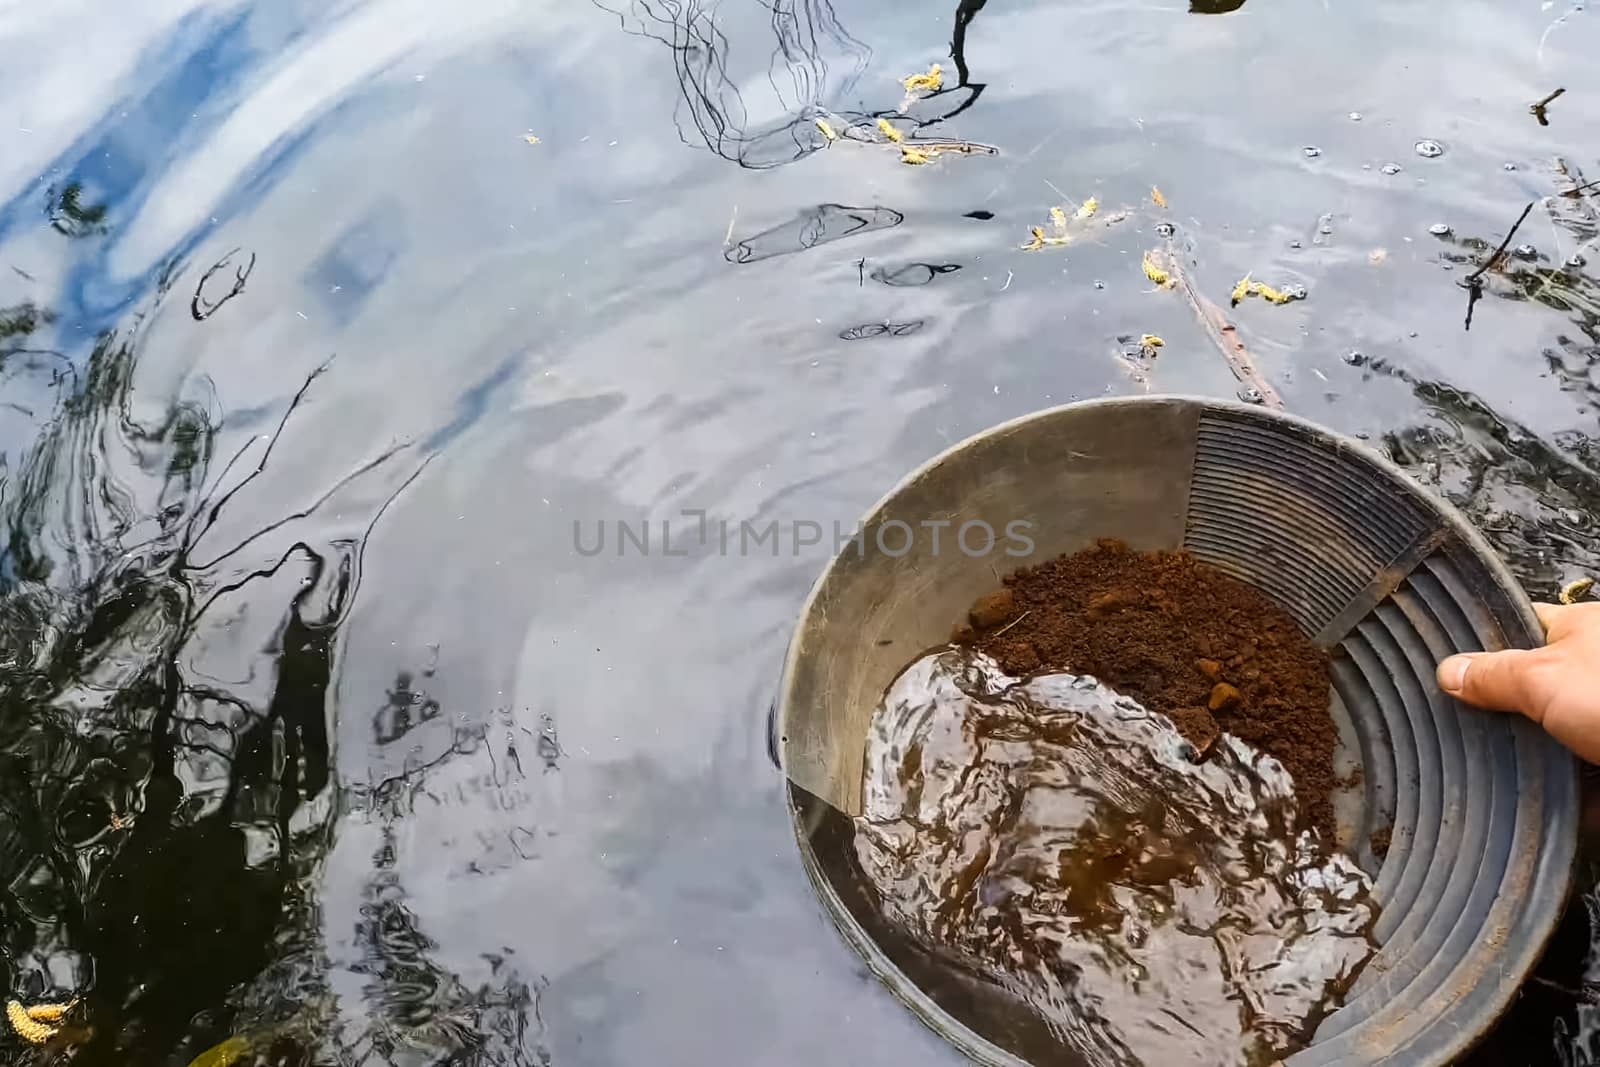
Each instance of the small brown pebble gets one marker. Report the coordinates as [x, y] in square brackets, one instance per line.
[992, 609]
[1211, 668]
[962, 634]
[1115, 600]
[1224, 697]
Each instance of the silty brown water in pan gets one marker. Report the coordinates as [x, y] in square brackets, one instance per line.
[1058, 840]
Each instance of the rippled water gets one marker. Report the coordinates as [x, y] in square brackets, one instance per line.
[318, 726]
[1062, 842]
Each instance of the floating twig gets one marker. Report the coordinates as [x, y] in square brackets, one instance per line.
[1577, 192]
[1537, 110]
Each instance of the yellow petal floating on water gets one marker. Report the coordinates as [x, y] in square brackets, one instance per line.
[1090, 206]
[1155, 273]
[230, 1052]
[1155, 194]
[888, 130]
[1150, 340]
[1246, 287]
[1058, 219]
[1038, 239]
[827, 130]
[1573, 592]
[26, 1027]
[530, 138]
[933, 80]
[912, 156]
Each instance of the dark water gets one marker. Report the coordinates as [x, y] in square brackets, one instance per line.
[317, 725]
[1065, 844]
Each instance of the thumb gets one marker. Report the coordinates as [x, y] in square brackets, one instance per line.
[1499, 681]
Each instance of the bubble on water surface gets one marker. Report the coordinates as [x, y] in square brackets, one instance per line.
[1311, 151]
[1392, 169]
[1429, 149]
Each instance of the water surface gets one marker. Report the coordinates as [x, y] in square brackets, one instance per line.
[323, 323]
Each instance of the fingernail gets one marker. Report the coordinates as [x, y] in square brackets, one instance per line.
[1453, 673]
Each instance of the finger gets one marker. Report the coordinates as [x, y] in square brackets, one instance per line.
[1562, 619]
[1500, 681]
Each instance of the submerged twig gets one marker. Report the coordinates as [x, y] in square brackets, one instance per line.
[1222, 332]
[1505, 244]
[1584, 995]
[1473, 282]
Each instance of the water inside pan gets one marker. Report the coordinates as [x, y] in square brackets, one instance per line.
[1055, 839]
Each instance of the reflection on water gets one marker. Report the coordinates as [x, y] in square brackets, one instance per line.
[1061, 841]
[161, 828]
[813, 60]
[811, 228]
[279, 755]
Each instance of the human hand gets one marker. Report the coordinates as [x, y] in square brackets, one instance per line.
[1557, 686]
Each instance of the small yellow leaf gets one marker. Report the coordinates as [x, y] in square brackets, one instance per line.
[933, 80]
[1150, 340]
[888, 130]
[231, 1052]
[1058, 219]
[1241, 290]
[530, 138]
[1155, 273]
[1573, 592]
[1269, 294]
[1090, 206]
[1038, 239]
[827, 130]
[912, 156]
[1155, 194]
